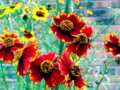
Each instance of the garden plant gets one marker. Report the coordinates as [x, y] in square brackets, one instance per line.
[46, 45]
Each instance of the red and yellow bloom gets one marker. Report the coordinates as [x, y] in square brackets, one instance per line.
[40, 13]
[67, 26]
[112, 44]
[72, 72]
[45, 67]
[28, 35]
[25, 57]
[9, 45]
[81, 43]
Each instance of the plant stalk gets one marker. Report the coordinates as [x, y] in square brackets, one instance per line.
[103, 74]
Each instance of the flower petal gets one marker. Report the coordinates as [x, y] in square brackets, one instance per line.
[72, 48]
[54, 79]
[79, 82]
[111, 36]
[16, 47]
[8, 57]
[88, 31]
[82, 50]
[65, 64]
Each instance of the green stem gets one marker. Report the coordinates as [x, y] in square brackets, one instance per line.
[98, 34]
[104, 72]
[58, 6]
[19, 76]
[3, 74]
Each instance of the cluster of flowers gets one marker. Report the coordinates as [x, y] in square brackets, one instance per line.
[68, 28]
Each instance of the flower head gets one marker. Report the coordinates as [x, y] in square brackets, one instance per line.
[71, 71]
[28, 35]
[67, 26]
[9, 45]
[25, 56]
[40, 13]
[45, 67]
[81, 43]
[112, 44]
[13, 8]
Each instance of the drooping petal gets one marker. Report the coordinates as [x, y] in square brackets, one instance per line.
[35, 76]
[2, 52]
[111, 36]
[1, 46]
[72, 48]
[82, 50]
[30, 50]
[88, 31]
[54, 79]
[80, 83]
[16, 47]
[23, 66]
[8, 57]
[114, 49]
[65, 64]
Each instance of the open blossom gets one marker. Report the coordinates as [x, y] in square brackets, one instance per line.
[28, 35]
[9, 45]
[25, 57]
[13, 8]
[40, 13]
[81, 44]
[67, 26]
[45, 67]
[72, 72]
[112, 44]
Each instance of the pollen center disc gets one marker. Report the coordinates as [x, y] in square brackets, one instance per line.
[75, 71]
[82, 38]
[46, 66]
[40, 14]
[66, 25]
[8, 42]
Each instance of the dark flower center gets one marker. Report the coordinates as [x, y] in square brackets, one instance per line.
[46, 66]
[75, 71]
[82, 38]
[28, 34]
[66, 25]
[40, 14]
[8, 42]
[12, 7]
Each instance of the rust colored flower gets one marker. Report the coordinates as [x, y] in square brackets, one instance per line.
[45, 67]
[9, 45]
[71, 71]
[67, 26]
[81, 43]
[25, 57]
[112, 44]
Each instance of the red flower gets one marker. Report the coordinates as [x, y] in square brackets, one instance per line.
[81, 44]
[25, 57]
[67, 26]
[72, 72]
[45, 67]
[9, 45]
[113, 45]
